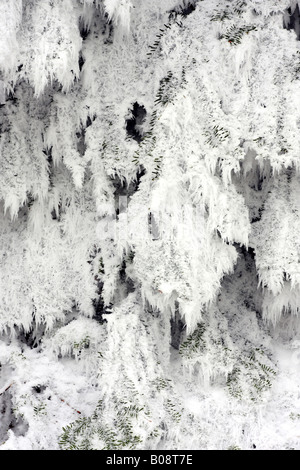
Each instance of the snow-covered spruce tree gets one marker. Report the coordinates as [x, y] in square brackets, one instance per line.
[149, 213]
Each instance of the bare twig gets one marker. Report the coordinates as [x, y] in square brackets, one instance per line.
[4, 389]
[79, 412]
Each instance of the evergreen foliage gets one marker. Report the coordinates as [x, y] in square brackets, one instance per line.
[149, 157]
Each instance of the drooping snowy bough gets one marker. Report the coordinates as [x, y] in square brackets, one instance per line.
[149, 215]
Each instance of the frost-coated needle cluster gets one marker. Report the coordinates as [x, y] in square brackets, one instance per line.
[149, 224]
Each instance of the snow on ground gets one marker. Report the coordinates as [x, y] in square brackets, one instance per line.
[226, 423]
[220, 422]
[50, 395]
